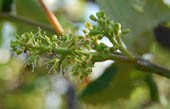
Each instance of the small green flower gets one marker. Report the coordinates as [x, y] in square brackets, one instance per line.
[70, 52]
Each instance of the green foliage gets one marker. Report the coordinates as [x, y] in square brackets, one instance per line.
[31, 9]
[36, 14]
[70, 53]
[140, 16]
[115, 83]
[101, 83]
[120, 82]
[154, 93]
[28, 93]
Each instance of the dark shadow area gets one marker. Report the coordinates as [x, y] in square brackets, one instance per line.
[162, 35]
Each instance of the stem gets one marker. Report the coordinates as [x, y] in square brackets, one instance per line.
[126, 52]
[26, 21]
[123, 49]
[139, 63]
[147, 66]
[112, 41]
[53, 20]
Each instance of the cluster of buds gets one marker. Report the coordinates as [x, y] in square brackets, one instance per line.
[71, 53]
[105, 27]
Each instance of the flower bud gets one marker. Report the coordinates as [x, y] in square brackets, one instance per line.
[92, 17]
[88, 25]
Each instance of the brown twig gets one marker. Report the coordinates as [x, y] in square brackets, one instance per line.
[53, 20]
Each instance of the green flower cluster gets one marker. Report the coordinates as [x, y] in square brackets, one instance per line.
[59, 53]
[71, 53]
[105, 27]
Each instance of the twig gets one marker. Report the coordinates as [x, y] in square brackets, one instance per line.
[53, 20]
[139, 63]
[27, 21]
[147, 66]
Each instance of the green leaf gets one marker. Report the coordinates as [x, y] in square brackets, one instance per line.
[154, 93]
[141, 16]
[113, 84]
[146, 79]
[101, 83]
[31, 9]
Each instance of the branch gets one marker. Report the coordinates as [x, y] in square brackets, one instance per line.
[139, 63]
[147, 66]
[53, 20]
[73, 48]
[27, 21]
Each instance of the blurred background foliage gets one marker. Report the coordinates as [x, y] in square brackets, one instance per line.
[112, 85]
